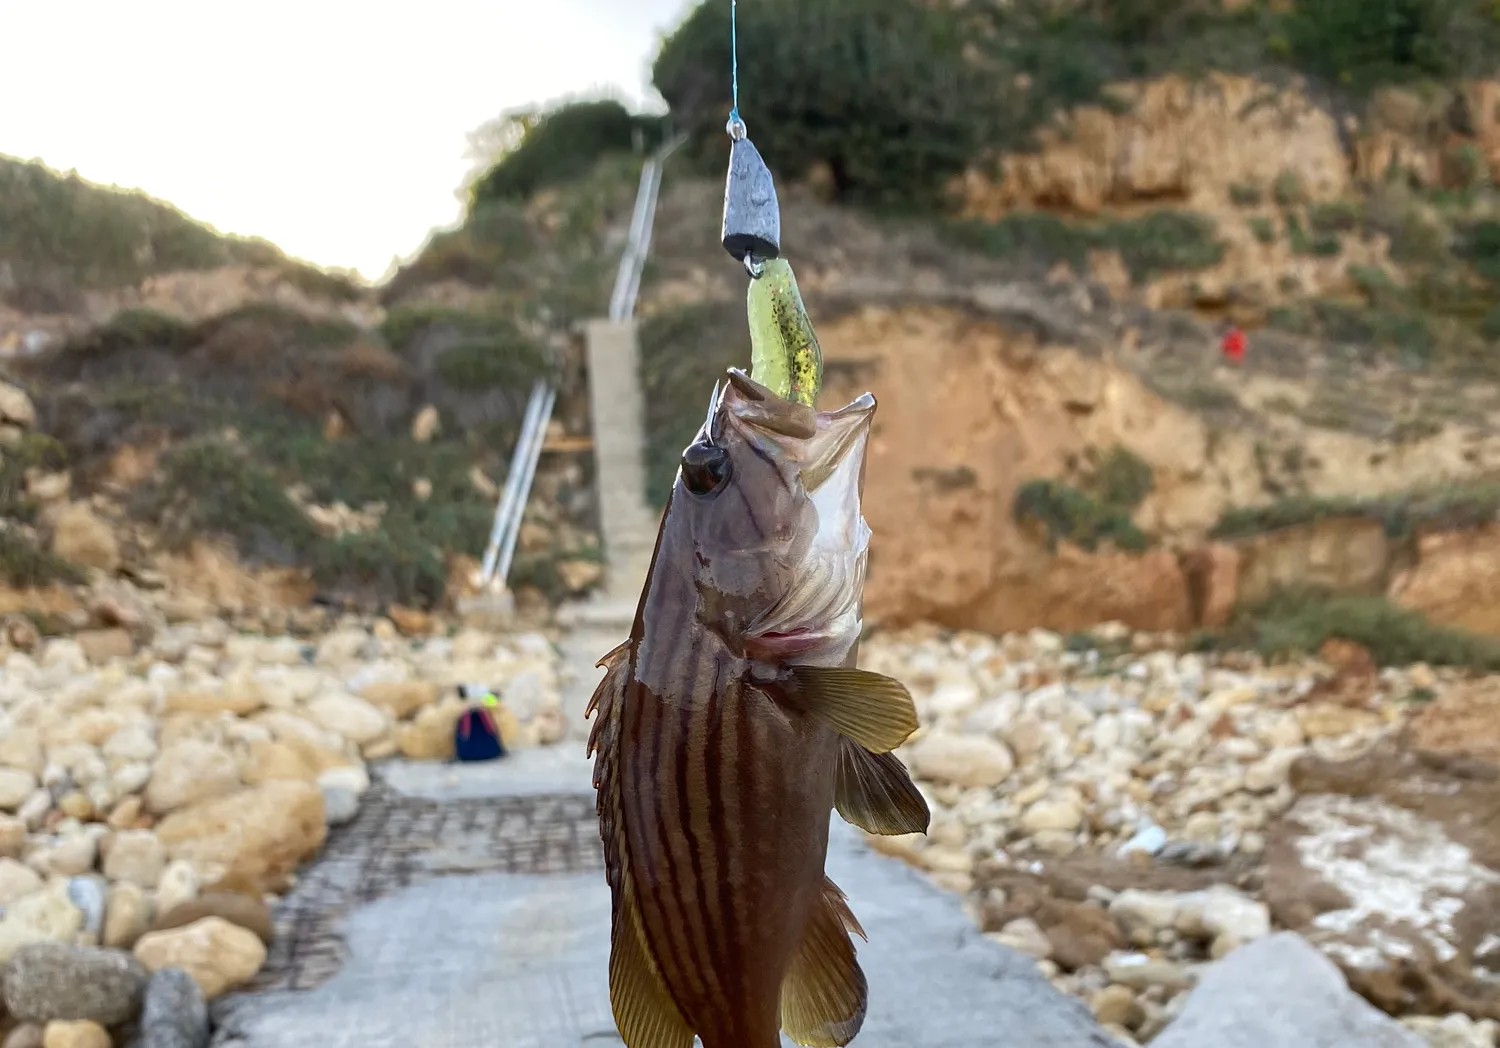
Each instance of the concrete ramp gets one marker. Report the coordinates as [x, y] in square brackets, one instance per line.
[465, 957]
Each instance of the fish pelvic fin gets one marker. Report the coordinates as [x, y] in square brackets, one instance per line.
[874, 791]
[824, 995]
[868, 708]
[644, 1011]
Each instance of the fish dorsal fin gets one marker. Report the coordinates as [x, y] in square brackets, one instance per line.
[824, 994]
[874, 791]
[644, 1012]
[873, 710]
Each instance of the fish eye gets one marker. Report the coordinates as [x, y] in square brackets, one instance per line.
[705, 468]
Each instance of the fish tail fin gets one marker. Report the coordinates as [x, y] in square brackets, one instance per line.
[874, 791]
[824, 994]
[873, 710]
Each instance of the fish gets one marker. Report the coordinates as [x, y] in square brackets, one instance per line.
[729, 726]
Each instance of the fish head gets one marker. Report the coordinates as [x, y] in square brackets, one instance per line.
[768, 499]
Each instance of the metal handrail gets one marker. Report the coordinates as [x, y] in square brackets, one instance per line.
[505, 532]
[638, 245]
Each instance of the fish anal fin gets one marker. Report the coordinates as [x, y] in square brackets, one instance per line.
[644, 1012]
[824, 994]
[871, 709]
[874, 791]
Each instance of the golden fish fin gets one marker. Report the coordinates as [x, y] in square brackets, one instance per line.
[874, 791]
[615, 654]
[615, 666]
[603, 745]
[824, 994]
[643, 1010]
[873, 710]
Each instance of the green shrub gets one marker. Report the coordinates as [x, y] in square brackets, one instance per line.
[1164, 241]
[1294, 622]
[491, 364]
[1479, 245]
[1118, 477]
[209, 487]
[1449, 507]
[35, 451]
[492, 352]
[1263, 229]
[1365, 43]
[394, 561]
[24, 564]
[133, 329]
[559, 145]
[1159, 242]
[1339, 216]
[1068, 515]
[881, 91]
[1287, 189]
[1245, 194]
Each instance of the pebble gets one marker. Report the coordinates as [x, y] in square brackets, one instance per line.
[1117, 1005]
[962, 760]
[243, 911]
[1140, 972]
[127, 915]
[89, 895]
[1029, 753]
[77, 1034]
[136, 856]
[116, 747]
[218, 955]
[1454, 1031]
[17, 881]
[175, 1014]
[52, 981]
[1026, 936]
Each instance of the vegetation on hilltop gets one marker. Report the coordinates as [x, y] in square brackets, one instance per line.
[537, 148]
[291, 434]
[61, 235]
[851, 84]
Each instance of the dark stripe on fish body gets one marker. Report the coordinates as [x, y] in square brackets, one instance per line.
[713, 800]
[694, 718]
[674, 911]
[693, 801]
[729, 807]
[645, 827]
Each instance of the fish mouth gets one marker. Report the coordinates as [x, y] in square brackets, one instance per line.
[819, 443]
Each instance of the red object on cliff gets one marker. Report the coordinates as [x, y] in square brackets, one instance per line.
[1234, 345]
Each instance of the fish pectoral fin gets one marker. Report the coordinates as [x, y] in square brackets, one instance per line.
[874, 791]
[644, 1012]
[824, 994]
[871, 709]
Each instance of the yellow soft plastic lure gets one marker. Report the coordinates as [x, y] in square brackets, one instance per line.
[784, 353]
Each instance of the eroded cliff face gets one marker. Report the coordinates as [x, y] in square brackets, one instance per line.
[1245, 153]
[1170, 141]
[969, 413]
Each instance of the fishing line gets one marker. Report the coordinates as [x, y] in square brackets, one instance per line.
[736, 126]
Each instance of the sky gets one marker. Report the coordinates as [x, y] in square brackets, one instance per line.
[336, 129]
